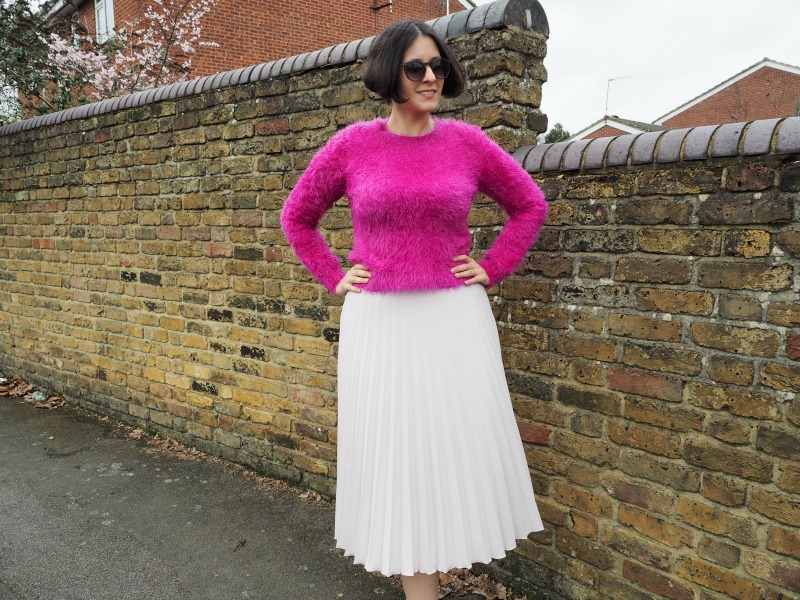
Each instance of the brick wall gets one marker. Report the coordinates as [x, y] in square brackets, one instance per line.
[764, 94]
[651, 339]
[143, 272]
[251, 32]
[605, 131]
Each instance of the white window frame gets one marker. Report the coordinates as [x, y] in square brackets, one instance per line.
[104, 19]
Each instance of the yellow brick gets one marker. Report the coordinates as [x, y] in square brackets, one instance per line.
[316, 346]
[153, 374]
[199, 400]
[178, 381]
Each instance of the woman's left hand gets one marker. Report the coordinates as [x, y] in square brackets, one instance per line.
[471, 269]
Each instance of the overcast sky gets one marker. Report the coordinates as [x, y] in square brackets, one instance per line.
[670, 51]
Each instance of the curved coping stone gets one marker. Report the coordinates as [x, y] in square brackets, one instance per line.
[640, 147]
[758, 137]
[299, 63]
[552, 159]
[226, 79]
[788, 141]
[172, 91]
[440, 26]
[277, 67]
[162, 93]
[644, 149]
[249, 74]
[181, 93]
[311, 60]
[595, 154]
[236, 77]
[336, 54]
[696, 147]
[457, 26]
[669, 150]
[138, 98]
[286, 67]
[533, 161]
[97, 108]
[60, 116]
[112, 104]
[364, 46]
[205, 84]
[324, 55]
[195, 87]
[261, 72]
[521, 152]
[574, 154]
[726, 140]
[525, 14]
[477, 18]
[350, 51]
[619, 149]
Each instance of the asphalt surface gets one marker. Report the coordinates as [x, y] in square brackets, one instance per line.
[88, 513]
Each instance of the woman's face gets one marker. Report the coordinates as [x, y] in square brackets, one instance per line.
[423, 96]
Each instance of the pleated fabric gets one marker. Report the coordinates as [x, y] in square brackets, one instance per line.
[431, 472]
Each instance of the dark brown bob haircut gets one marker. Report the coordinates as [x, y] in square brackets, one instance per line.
[381, 73]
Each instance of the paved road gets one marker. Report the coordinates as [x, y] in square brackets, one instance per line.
[89, 515]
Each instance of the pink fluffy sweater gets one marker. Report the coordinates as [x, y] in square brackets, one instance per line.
[410, 198]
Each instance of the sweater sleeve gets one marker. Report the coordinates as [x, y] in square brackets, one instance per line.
[507, 183]
[322, 184]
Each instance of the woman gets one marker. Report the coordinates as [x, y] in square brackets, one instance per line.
[431, 470]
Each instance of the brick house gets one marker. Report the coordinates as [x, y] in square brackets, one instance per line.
[611, 125]
[251, 33]
[765, 90]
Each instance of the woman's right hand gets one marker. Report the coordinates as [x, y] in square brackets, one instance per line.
[356, 274]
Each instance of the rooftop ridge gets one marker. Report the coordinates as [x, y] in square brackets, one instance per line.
[768, 136]
[526, 14]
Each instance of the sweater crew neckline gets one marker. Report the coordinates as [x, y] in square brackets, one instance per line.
[383, 126]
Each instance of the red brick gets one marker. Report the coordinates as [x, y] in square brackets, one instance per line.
[784, 541]
[793, 345]
[717, 578]
[638, 494]
[657, 582]
[718, 520]
[784, 573]
[535, 434]
[224, 249]
[643, 383]
[644, 328]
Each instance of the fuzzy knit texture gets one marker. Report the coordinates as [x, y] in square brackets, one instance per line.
[410, 198]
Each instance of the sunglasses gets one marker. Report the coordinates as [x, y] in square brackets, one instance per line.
[415, 69]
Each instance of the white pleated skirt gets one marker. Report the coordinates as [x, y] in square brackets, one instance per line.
[431, 472]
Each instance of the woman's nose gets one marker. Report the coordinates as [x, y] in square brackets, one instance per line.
[429, 76]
